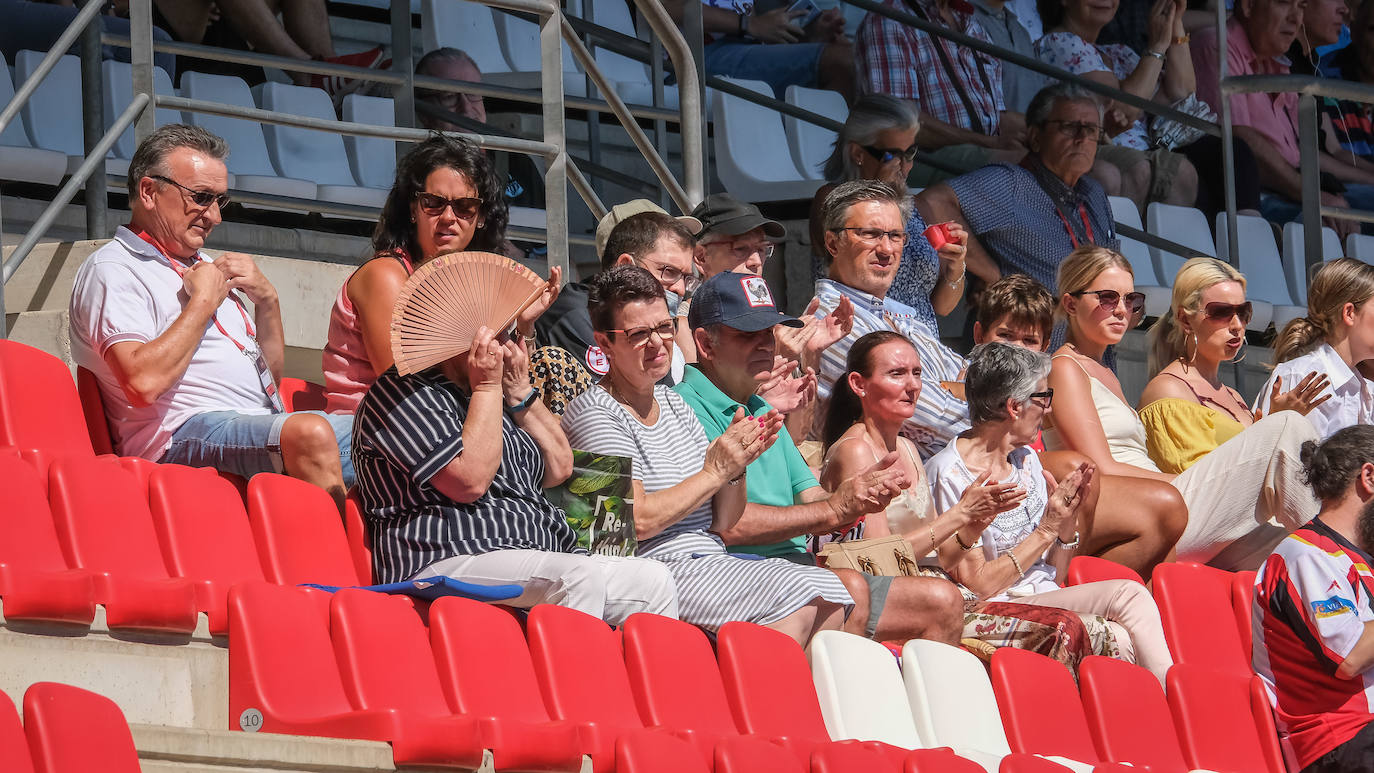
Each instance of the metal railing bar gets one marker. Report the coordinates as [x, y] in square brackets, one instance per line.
[1362, 215]
[1299, 84]
[773, 103]
[58, 50]
[690, 91]
[1153, 240]
[584, 189]
[95, 159]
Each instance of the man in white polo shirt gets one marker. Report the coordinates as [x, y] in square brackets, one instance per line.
[187, 373]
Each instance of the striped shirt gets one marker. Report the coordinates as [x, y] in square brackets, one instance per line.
[939, 415]
[407, 429]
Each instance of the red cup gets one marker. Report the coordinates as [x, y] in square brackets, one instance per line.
[938, 235]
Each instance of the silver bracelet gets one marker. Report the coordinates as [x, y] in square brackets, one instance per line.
[954, 283]
[1156, 55]
[1068, 545]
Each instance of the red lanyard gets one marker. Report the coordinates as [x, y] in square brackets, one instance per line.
[181, 271]
[1082, 214]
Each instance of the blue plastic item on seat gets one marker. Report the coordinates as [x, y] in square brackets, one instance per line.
[431, 588]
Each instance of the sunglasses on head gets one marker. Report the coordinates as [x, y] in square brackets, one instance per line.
[888, 155]
[1222, 312]
[434, 205]
[1135, 302]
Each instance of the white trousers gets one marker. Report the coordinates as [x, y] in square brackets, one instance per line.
[1127, 604]
[609, 587]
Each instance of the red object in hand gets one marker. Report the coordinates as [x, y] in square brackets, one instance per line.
[938, 235]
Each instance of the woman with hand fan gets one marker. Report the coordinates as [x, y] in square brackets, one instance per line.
[446, 197]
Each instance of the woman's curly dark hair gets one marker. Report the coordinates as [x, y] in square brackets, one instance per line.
[394, 228]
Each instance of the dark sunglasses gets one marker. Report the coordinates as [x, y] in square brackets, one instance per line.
[1222, 312]
[199, 198]
[1135, 302]
[639, 336]
[1048, 394]
[434, 205]
[888, 155]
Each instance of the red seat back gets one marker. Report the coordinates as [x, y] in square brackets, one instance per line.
[1128, 715]
[1199, 621]
[301, 395]
[39, 406]
[768, 683]
[202, 526]
[28, 539]
[855, 757]
[581, 671]
[1242, 604]
[483, 661]
[654, 752]
[14, 750]
[102, 518]
[674, 675]
[299, 534]
[93, 409]
[382, 648]
[1085, 569]
[359, 541]
[71, 729]
[1025, 683]
[1215, 719]
[750, 754]
[1029, 763]
[940, 761]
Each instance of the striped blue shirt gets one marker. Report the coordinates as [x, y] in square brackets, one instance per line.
[407, 429]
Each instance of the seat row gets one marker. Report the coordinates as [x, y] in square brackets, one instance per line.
[65, 730]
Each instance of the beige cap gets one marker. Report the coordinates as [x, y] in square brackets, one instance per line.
[634, 207]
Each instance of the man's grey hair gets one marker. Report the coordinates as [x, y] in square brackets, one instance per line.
[151, 156]
[999, 372]
[872, 115]
[1046, 99]
[835, 209]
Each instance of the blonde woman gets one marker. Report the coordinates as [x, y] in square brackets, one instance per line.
[1242, 497]
[1186, 409]
[1334, 338]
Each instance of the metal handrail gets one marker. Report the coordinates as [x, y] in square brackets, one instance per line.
[689, 90]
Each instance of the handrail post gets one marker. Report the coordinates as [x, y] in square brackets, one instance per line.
[689, 91]
[556, 176]
[141, 57]
[93, 127]
[403, 96]
[694, 29]
[1311, 182]
[1228, 155]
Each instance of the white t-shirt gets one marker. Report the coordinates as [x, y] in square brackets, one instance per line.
[1352, 396]
[949, 477]
[127, 291]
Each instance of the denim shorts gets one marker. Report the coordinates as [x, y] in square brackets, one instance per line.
[247, 444]
[780, 66]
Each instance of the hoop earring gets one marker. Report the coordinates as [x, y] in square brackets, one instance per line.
[1244, 350]
[1188, 358]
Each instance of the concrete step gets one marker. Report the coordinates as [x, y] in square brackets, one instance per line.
[164, 749]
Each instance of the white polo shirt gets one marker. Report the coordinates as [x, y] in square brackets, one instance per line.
[1352, 396]
[128, 291]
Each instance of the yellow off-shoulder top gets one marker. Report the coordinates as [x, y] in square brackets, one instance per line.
[1178, 432]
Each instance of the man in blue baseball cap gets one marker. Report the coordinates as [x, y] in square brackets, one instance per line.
[732, 320]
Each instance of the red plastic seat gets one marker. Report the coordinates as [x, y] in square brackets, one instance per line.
[14, 749]
[486, 671]
[35, 580]
[301, 395]
[203, 530]
[939, 761]
[1128, 715]
[1085, 569]
[39, 406]
[1026, 683]
[298, 531]
[71, 730]
[384, 657]
[1029, 763]
[1223, 720]
[93, 410]
[649, 752]
[1199, 620]
[104, 527]
[1242, 604]
[359, 541]
[752, 753]
[857, 758]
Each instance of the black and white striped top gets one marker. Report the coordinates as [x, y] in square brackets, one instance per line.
[407, 429]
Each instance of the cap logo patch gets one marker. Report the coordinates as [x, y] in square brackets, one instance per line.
[756, 291]
[597, 362]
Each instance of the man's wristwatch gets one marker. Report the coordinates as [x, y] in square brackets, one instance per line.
[524, 405]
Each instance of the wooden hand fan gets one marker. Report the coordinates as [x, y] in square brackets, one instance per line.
[444, 302]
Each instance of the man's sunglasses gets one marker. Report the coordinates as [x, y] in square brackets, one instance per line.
[1222, 312]
[888, 155]
[200, 198]
[434, 205]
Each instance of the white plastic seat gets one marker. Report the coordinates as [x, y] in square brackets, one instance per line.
[248, 160]
[312, 155]
[1295, 257]
[1184, 225]
[19, 158]
[467, 26]
[1258, 258]
[372, 159]
[860, 690]
[1156, 288]
[520, 41]
[52, 115]
[752, 164]
[119, 92]
[1358, 245]
[812, 145]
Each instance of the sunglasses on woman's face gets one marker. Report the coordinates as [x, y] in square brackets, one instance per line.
[1222, 312]
[434, 205]
[1135, 302]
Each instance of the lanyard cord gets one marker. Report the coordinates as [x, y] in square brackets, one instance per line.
[1088, 227]
[180, 270]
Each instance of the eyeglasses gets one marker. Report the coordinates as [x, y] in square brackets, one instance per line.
[1048, 394]
[638, 337]
[434, 205]
[1078, 129]
[199, 198]
[874, 235]
[669, 275]
[1135, 302]
[888, 155]
[743, 252]
[1222, 312]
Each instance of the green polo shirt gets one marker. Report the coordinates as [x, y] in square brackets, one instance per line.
[776, 478]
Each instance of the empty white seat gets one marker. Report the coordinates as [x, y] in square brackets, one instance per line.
[1155, 287]
[372, 159]
[1183, 225]
[52, 116]
[812, 145]
[1258, 258]
[520, 41]
[1358, 245]
[248, 159]
[119, 92]
[1295, 257]
[751, 162]
[19, 159]
[311, 155]
[465, 25]
[860, 690]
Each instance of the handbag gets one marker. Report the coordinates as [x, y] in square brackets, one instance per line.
[1170, 134]
[889, 556]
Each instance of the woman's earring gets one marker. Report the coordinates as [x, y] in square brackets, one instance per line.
[1188, 358]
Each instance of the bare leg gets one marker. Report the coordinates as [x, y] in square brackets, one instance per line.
[1184, 190]
[798, 625]
[258, 25]
[307, 22]
[829, 617]
[310, 452]
[922, 608]
[1108, 176]
[857, 586]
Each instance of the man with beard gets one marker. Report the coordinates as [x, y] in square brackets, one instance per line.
[1314, 647]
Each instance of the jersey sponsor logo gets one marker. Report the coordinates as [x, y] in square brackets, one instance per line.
[1332, 606]
[597, 362]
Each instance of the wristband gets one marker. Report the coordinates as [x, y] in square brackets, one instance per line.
[524, 404]
[1068, 545]
[744, 25]
[1156, 55]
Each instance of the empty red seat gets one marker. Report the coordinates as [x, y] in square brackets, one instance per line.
[1128, 715]
[14, 750]
[1242, 604]
[35, 580]
[1085, 569]
[857, 758]
[71, 730]
[1027, 684]
[384, 657]
[1223, 720]
[649, 752]
[1029, 763]
[298, 531]
[1199, 619]
[301, 395]
[359, 541]
[39, 406]
[752, 753]
[104, 527]
[93, 409]
[940, 761]
[203, 529]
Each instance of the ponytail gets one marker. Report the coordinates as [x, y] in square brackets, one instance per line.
[1337, 282]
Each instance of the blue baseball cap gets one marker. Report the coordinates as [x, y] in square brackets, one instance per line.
[740, 301]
